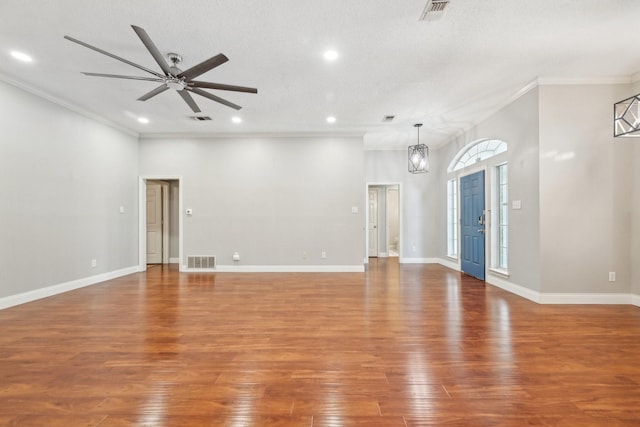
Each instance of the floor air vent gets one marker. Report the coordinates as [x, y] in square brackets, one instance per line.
[201, 262]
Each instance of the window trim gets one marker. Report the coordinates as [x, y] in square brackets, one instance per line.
[455, 166]
[496, 257]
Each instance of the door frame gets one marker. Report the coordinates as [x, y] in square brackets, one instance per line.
[386, 206]
[366, 216]
[142, 218]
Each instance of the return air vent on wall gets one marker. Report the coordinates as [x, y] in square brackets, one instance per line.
[199, 262]
[433, 10]
[201, 118]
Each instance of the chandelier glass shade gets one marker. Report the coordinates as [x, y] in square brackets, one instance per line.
[418, 155]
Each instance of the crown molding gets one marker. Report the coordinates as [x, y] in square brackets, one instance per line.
[65, 104]
[249, 135]
[542, 81]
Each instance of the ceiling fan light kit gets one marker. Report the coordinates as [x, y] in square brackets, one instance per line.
[173, 77]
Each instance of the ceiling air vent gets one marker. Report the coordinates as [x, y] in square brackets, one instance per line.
[388, 119]
[433, 10]
[201, 118]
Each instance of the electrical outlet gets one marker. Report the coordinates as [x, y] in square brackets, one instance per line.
[612, 276]
[305, 255]
[323, 254]
[94, 263]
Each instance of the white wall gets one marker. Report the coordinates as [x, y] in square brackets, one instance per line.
[63, 178]
[635, 211]
[586, 191]
[635, 221]
[270, 199]
[517, 125]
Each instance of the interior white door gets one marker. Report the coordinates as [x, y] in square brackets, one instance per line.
[154, 223]
[373, 222]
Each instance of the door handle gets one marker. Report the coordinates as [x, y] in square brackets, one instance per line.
[481, 230]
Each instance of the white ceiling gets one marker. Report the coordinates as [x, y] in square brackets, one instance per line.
[447, 74]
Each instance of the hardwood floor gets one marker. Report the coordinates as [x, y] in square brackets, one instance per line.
[411, 345]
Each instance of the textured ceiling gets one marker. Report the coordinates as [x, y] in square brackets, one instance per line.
[447, 74]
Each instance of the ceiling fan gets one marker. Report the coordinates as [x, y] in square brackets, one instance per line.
[172, 77]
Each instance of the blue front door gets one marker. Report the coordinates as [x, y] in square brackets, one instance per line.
[473, 224]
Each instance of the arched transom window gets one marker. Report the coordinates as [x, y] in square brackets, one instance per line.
[476, 152]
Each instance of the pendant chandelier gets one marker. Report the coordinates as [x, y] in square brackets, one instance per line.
[626, 117]
[418, 155]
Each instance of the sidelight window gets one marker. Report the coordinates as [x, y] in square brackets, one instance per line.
[452, 218]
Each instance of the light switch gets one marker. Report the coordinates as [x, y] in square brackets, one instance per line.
[121, 209]
[354, 209]
[516, 204]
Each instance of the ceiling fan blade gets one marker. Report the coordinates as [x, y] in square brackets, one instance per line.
[214, 98]
[153, 50]
[220, 86]
[154, 92]
[189, 100]
[117, 76]
[104, 52]
[203, 67]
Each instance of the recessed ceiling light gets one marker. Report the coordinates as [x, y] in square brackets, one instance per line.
[236, 119]
[143, 120]
[331, 119]
[21, 56]
[331, 55]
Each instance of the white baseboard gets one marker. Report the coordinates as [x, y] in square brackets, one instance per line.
[281, 269]
[449, 263]
[36, 294]
[559, 298]
[563, 298]
[519, 290]
[535, 296]
[174, 260]
[442, 261]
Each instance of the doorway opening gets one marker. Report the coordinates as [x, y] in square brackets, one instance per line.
[160, 221]
[383, 221]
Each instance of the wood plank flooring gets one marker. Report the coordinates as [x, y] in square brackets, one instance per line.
[410, 345]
